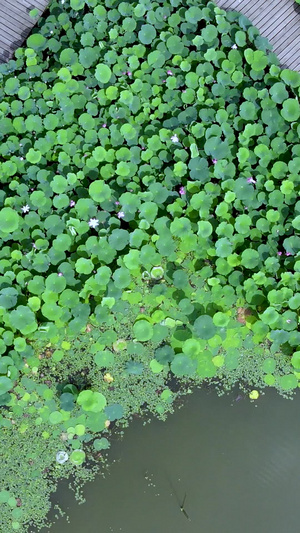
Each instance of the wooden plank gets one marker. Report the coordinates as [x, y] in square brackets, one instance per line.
[277, 21]
[16, 24]
[13, 14]
[273, 24]
[282, 26]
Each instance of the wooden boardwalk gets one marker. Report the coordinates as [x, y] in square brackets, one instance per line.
[16, 24]
[278, 21]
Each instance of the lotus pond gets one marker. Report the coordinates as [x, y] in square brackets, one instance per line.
[149, 230]
[236, 461]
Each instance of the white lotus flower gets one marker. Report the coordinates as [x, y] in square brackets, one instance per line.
[93, 222]
[62, 457]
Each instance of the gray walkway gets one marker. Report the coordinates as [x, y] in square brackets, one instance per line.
[278, 20]
[16, 24]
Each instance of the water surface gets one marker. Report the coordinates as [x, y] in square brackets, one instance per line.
[236, 461]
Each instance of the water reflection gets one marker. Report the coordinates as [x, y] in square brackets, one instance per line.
[232, 465]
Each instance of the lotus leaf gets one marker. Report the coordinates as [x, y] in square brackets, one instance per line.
[91, 401]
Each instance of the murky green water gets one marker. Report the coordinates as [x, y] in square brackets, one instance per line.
[237, 462]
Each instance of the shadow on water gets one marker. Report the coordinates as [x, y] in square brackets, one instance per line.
[219, 464]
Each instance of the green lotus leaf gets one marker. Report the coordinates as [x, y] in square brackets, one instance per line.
[103, 73]
[147, 34]
[223, 247]
[84, 266]
[5, 384]
[9, 220]
[134, 368]
[122, 278]
[77, 457]
[182, 365]
[67, 401]
[55, 417]
[99, 191]
[290, 110]
[101, 444]
[55, 283]
[114, 411]
[164, 354]
[118, 239]
[77, 4]
[269, 365]
[91, 401]
[104, 358]
[221, 319]
[8, 297]
[36, 41]
[269, 380]
[257, 59]
[250, 258]
[290, 77]
[180, 227]
[296, 361]
[192, 348]
[278, 92]
[204, 327]
[143, 330]
[23, 319]
[288, 382]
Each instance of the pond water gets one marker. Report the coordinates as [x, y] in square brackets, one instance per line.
[236, 463]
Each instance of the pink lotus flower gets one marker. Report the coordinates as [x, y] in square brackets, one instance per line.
[288, 253]
[121, 214]
[214, 161]
[279, 253]
[250, 180]
[170, 72]
[182, 190]
[72, 203]
[103, 125]
[117, 203]
[60, 274]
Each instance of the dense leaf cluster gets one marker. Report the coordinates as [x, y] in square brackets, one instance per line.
[149, 181]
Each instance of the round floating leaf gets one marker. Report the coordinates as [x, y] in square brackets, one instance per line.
[5, 384]
[290, 110]
[155, 366]
[296, 360]
[143, 330]
[221, 319]
[147, 33]
[99, 191]
[288, 382]
[269, 365]
[9, 220]
[114, 411]
[205, 327]
[103, 73]
[250, 258]
[101, 444]
[204, 229]
[55, 417]
[104, 358]
[91, 401]
[182, 365]
[23, 319]
[164, 354]
[77, 457]
[36, 41]
[133, 367]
